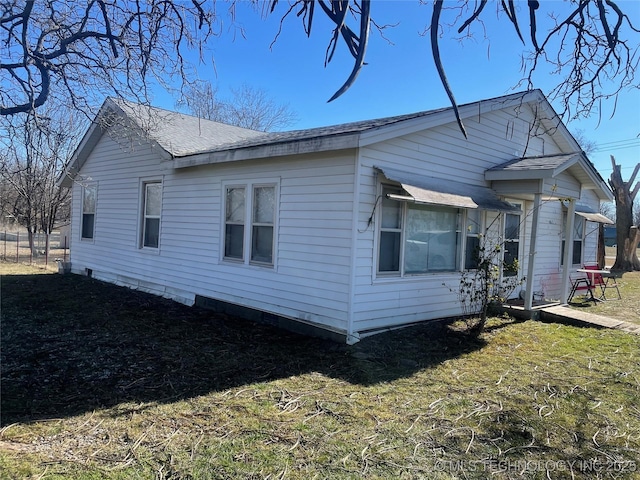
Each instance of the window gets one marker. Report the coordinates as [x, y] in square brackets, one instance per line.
[472, 245]
[262, 224]
[578, 235]
[390, 233]
[416, 238]
[234, 223]
[151, 208]
[511, 257]
[89, 193]
[258, 212]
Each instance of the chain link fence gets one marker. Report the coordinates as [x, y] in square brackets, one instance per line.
[14, 247]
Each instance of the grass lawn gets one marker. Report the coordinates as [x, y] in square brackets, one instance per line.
[627, 308]
[103, 382]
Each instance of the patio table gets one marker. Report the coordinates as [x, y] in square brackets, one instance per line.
[605, 275]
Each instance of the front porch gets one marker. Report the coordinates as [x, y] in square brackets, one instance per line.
[537, 181]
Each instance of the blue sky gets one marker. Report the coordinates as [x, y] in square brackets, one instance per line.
[399, 76]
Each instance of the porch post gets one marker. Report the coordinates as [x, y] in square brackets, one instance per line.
[568, 250]
[528, 294]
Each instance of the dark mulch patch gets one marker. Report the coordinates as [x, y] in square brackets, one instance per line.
[71, 344]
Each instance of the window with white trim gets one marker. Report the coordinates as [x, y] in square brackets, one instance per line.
[151, 212]
[578, 238]
[89, 194]
[252, 206]
[511, 260]
[417, 238]
[234, 223]
[263, 219]
[472, 241]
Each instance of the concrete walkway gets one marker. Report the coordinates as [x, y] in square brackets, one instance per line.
[563, 313]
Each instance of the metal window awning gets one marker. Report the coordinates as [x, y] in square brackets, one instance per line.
[437, 191]
[591, 215]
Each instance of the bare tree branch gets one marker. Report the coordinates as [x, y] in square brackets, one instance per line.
[248, 107]
[85, 51]
[360, 45]
[435, 23]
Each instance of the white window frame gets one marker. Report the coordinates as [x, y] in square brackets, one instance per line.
[468, 234]
[249, 222]
[144, 183]
[520, 240]
[261, 225]
[226, 222]
[400, 273]
[93, 186]
[577, 220]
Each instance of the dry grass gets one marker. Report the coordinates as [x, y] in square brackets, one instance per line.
[103, 382]
[627, 308]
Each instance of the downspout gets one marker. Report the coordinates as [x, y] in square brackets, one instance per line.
[528, 298]
[568, 250]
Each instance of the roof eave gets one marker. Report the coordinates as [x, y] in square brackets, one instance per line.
[80, 154]
[599, 185]
[279, 149]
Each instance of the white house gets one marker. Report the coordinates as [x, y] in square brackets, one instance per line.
[348, 229]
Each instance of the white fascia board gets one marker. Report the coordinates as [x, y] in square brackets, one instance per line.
[74, 164]
[298, 147]
[602, 189]
[93, 135]
[568, 164]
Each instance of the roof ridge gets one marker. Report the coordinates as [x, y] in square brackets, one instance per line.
[136, 105]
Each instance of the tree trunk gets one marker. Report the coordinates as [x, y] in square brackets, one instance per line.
[630, 247]
[601, 258]
[626, 233]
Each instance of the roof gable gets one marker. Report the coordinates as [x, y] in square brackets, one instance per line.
[550, 166]
[179, 134]
[173, 134]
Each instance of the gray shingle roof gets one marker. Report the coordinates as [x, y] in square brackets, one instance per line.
[332, 130]
[181, 134]
[544, 162]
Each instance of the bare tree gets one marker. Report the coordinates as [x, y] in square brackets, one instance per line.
[588, 45]
[627, 234]
[248, 107]
[608, 209]
[84, 51]
[588, 146]
[34, 150]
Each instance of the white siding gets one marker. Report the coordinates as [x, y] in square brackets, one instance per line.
[310, 280]
[440, 152]
[548, 274]
[324, 262]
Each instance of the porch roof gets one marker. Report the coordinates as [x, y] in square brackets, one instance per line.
[546, 167]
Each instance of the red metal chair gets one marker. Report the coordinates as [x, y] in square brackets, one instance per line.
[580, 285]
[601, 281]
